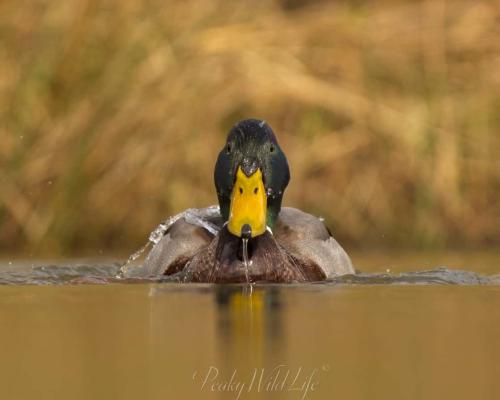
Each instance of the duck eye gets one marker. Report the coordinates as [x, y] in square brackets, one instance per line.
[271, 149]
[228, 148]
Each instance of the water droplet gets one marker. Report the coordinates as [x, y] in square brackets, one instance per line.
[245, 258]
[158, 233]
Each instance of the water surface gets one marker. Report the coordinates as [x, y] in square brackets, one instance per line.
[423, 334]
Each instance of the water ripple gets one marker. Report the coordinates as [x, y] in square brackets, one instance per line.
[105, 274]
[435, 276]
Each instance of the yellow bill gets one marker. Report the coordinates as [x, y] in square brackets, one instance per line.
[248, 204]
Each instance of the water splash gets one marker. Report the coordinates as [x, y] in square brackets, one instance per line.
[246, 262]
[195, 216]
[122, 271]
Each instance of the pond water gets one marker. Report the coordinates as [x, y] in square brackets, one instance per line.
[391, 335]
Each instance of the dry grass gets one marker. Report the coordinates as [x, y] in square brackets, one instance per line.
[112, 114]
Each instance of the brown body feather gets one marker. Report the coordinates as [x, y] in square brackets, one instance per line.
[301, 249]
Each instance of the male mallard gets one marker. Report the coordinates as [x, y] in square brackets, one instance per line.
[282, 244]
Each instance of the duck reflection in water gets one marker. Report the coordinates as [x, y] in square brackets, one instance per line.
[249, 330]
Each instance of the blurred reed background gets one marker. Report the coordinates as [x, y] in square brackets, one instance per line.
[112, 114]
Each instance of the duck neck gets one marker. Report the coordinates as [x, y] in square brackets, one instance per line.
[273, 210]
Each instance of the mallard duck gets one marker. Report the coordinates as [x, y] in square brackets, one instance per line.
[249, 237]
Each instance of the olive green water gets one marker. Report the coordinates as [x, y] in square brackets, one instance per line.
[175, 341]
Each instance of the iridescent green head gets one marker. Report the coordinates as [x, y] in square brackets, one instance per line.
[251, 175]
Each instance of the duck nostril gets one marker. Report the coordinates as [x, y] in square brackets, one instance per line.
[256, 190]
[241, 190]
